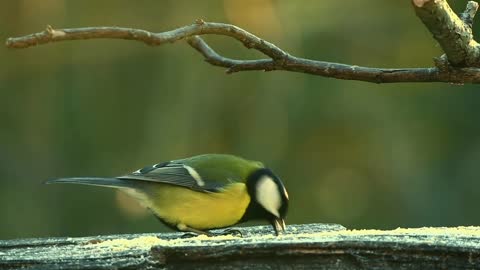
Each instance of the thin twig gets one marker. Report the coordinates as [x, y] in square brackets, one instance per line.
[233, 65]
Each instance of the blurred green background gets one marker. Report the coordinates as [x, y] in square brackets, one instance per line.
[359, 154]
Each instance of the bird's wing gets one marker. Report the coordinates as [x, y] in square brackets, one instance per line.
[207, 173]
[174, 173]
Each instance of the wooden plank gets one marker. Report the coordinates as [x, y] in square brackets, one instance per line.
[311, 246]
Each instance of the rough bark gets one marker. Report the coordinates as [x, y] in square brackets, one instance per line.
[454, 34]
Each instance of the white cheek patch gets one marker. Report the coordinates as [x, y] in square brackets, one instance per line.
[268, 195]
[195, 175]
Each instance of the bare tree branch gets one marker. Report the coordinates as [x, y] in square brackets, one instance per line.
[461, 64]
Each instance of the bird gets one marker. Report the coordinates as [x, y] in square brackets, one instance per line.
[203, 192]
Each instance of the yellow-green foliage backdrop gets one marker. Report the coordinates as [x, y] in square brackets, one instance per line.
[355, 153]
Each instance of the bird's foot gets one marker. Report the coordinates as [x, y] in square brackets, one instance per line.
[189, 235]
[233, 232]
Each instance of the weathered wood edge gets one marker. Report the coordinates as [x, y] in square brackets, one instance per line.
[312, 246]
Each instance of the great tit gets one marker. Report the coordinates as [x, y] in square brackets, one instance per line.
[203, 192]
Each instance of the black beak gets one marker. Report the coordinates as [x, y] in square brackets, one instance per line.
[279, 225]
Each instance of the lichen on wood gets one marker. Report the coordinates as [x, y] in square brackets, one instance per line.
[453, 33]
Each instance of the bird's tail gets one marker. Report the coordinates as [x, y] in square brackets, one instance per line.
[93, 181]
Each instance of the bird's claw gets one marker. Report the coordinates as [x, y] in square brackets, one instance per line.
[188, 235]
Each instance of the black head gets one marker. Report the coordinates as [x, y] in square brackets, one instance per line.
[269, 199]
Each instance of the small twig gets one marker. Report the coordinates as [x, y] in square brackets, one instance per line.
[469, 14]
[232, 65]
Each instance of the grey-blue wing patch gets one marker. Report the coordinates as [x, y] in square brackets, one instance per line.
[175, 174]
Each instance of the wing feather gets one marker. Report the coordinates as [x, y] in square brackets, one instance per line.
[175, 174]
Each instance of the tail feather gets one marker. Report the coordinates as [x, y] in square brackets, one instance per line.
[92, 181]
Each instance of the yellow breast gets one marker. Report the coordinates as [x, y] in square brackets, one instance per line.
[200, 210]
